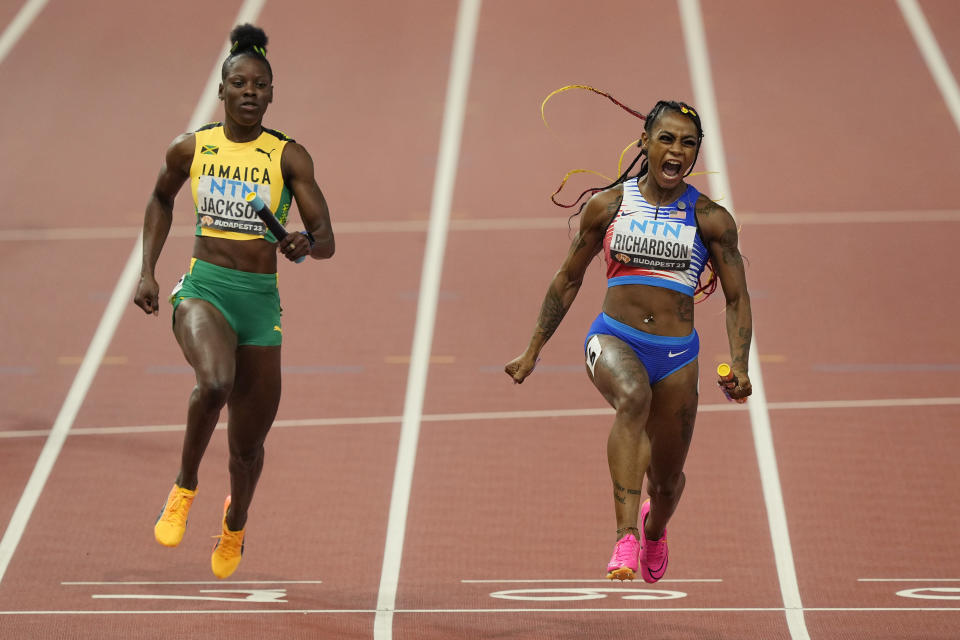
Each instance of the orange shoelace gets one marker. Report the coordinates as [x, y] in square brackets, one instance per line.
[177, 508]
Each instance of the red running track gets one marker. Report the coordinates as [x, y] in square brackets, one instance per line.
[841, 157]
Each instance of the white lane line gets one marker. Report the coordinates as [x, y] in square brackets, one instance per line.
[532, 414]
[600, 580]
[122, 295]
[19, 25]
[68, 412]
[552, 610]
[908, 579]
[848, 217]
[933, 56]
[866, 404]
[452, 130]
[695, 38]
[503, 224]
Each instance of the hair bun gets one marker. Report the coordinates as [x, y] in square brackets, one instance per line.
[247, 36]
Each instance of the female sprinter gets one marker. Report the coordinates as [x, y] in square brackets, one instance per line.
[656, 233]
[226, 309]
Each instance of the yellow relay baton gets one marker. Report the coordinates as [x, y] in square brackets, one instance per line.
[727, 382]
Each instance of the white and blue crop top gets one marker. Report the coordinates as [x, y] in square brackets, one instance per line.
[659, 248]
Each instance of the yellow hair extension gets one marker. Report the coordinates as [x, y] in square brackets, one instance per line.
[570, 173]
[623, 153]
[588, 88]
[543, 104]
[596, 173]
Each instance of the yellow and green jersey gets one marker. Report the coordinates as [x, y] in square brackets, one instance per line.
[224, 172]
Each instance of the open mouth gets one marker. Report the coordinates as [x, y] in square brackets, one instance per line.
[671, 168]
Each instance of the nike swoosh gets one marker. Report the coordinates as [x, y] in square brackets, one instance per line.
[659, 571]
[671, 354]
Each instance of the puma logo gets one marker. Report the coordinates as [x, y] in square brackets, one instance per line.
[266, 153]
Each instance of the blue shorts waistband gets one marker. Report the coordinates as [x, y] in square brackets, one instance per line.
[643, 336]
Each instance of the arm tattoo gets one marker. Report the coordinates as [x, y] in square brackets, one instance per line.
[743, 352]
[708, 207]
[730, 254]
[554, 307]
[581, 243]
[612, 209]
[614, 206]
[551, 313]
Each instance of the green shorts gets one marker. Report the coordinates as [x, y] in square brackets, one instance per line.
[249, 301]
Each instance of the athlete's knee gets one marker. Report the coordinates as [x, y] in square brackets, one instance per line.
[633, 402]
[213, 391]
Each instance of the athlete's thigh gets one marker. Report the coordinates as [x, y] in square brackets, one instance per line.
[256, 395]
[673, 412]
[205, 337]
[616, 371]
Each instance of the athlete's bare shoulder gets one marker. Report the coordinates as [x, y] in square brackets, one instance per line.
[706, 207]
[713, 219]
[180, 152]
[602, 206]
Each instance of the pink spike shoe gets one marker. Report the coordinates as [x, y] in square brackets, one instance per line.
[653, 553]
[623, 564]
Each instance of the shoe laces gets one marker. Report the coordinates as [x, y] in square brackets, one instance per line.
[230, 541]
[655, 549]
[626, 549]
[176, 511]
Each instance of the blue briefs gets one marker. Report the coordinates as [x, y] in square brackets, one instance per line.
[660, 355]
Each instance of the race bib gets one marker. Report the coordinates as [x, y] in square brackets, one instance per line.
[594, 348]
[652, 244]
[222, 205]
[176, 288]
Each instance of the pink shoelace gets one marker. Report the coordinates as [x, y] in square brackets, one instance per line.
[625, 553]
[655, 553]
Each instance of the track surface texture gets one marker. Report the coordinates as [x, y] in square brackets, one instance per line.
[411, 491]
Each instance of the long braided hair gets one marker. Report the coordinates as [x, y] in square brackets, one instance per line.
[703, 289]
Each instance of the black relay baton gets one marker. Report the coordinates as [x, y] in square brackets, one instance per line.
[260, 208]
